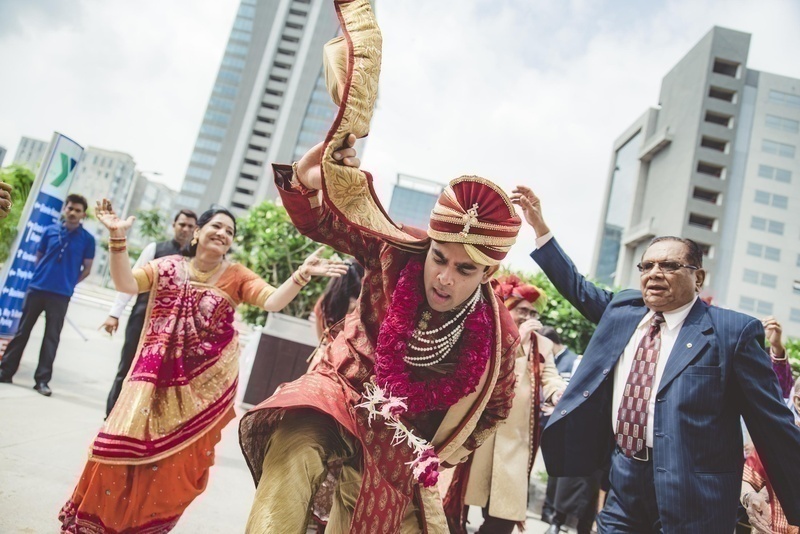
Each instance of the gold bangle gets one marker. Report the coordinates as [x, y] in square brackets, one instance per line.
[298, 279]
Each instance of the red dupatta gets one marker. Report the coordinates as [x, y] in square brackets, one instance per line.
[183, 379]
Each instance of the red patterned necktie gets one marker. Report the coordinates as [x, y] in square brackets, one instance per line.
[632, 415]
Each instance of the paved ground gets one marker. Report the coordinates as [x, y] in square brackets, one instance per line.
[43, 441]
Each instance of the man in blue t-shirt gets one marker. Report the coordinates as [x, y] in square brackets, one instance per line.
[64, 258]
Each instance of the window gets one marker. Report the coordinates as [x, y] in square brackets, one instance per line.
[710, 169]
[261, 134]
[780, 201]
[294, 25]
[243, 191]
[254, 162]
[221, 103]
[212, 131]
[201, 174]
[279, 79]
[233, 62]
[206, 159]
[769, 280]
[701, 221]
[246, 11]
[779, 175]
[763, 308]
[774, 147]
[273, 92]
[754, 249]
[290, 39]
[243, 25]
[193, 187]
[747, 303]
[714, 144]
[750, 276]
[772, 253]
[718, 118]
[785, 99]
[706, 248]
[229, 76]
[287, 52]
[247, 176]
[241, 36]
[188, 202]
[721, 94]
[239, 206]
[766, 225]
[775, 227]
[758, 223]
[794, 315]
[706, 195]
[225, 90]
[796, 287]
[782, 123]
[208, 144]
[762, 197]
[259, 148]
[263, 119]
[726, 68]
[269, 106]
[237, 49]
[213, 116]
[279, 65]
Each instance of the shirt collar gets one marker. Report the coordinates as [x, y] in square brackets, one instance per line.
[672, 318]
[562, 351]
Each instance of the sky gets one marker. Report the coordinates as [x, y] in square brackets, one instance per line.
[518, 91]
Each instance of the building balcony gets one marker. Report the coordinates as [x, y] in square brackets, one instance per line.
[639, 233]
[655, 144]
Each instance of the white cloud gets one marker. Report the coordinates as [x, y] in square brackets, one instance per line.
[529, 91]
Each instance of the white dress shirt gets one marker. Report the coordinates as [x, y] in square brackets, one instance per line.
[670, 328]
[148, 254]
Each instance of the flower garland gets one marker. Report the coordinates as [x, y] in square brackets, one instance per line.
[394, 393]
[391, 371]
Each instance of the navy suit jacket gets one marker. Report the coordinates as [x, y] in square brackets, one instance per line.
[717, 371]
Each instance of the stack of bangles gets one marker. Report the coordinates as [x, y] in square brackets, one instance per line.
[117, 245]
[299, 279]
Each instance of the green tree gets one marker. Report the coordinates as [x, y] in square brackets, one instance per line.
[792, 346]
[152, 224]
[21, 179]
[268, 243]
[575, 330]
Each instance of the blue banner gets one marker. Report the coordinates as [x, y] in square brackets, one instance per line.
[43, 208]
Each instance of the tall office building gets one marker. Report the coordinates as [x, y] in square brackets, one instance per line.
[268, 103]
[30, 153]
[413, 200]
[716, 162]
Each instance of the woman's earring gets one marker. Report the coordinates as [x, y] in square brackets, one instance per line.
[194, 241]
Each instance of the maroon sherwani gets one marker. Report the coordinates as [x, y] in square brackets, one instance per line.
[337, 383]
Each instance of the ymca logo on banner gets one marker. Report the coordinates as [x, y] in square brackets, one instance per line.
[42, 209]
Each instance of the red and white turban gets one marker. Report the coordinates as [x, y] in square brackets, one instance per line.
[512, 291]
[476, 213]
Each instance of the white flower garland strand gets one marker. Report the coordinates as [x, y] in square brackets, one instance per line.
[377, 402]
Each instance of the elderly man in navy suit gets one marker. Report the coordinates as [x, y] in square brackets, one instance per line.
[660, 391]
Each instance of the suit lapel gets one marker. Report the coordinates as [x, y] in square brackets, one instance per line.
[691, 340]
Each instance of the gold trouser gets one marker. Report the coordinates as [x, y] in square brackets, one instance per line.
[296, 463]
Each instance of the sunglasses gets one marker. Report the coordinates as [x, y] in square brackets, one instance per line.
[665, 266]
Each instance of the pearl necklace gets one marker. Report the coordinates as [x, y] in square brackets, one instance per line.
[439, 347]
[203, 276]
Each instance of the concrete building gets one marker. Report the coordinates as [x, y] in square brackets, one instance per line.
[30, 153]
[147, 195]
[105, 174]
[268, 103]
[2, 155]
[413, 199]
[716, 162]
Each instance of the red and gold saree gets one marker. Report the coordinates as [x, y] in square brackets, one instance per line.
[151, 458]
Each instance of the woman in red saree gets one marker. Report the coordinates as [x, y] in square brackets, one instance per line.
[152, 457]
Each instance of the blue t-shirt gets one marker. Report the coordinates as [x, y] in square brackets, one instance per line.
[62, 253]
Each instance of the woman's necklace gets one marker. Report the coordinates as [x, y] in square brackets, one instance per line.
[203, 276]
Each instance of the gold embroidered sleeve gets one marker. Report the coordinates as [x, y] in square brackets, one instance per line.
[263, 295]
[143, 279]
